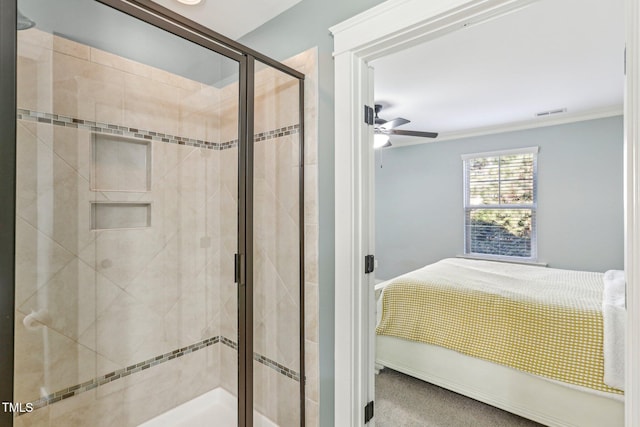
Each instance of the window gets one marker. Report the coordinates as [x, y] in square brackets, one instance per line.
[500, 203]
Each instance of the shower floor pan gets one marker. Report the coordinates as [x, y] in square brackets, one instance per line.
[217, 406]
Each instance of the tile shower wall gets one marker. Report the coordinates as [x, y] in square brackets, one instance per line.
[307, 63]
[276, 280]
[102, 301]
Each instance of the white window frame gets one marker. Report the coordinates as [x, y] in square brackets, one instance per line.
[467, 206]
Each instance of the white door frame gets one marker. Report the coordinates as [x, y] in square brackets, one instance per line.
[398, 24]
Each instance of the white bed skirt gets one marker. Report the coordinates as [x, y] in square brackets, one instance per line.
[550, 403]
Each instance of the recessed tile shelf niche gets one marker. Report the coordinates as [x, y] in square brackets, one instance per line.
[120, 164]
[110, 216]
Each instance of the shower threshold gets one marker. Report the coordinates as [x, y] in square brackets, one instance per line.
[216, 405]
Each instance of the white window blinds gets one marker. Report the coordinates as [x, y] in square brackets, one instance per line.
[500, 203]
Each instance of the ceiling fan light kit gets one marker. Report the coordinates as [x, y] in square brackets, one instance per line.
[190, 2]
[381, 140]
[384, 128]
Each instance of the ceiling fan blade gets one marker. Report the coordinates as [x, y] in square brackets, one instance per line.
[398, 121]
[411, 133]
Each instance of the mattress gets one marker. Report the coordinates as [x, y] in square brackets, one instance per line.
[547, 322]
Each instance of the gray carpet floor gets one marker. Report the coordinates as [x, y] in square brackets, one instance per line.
[408, 402]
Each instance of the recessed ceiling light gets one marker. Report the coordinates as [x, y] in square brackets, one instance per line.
[190, 2]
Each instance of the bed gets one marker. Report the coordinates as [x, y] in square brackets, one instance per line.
[530, 340]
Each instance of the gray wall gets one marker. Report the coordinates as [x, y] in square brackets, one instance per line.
[304, 26]
[103, 27]
[419, 196]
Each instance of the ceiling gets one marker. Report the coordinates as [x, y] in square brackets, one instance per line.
[232, 19]
[553, 54]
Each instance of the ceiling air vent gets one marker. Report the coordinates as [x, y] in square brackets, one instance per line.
[551, 112]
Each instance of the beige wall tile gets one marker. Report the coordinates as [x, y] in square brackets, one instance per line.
[136, 398]
[265, 167]
[87, 90]
[70, 299]
[228, 111]
[287, 174]
[190, 316]
[34, 174]
[311, 253]
[53, 195]
[47, 361]
[312, 414]
[192, 178]
[34, 71]
[64, 209]
[150, 105]
[229, 306]
[311, 312]
[174, 156]
[199, 373]
[121, 255]
[171, 79]
[75, 411]
[71, 145]
[37, 418]
[229, 369]
[70, 47]
[276, 396]
[286, 392]
[199, 116]
[155, 390]
[151, 392]
[38, 259]
[276, 336]
[307, 62]
[110, 60]
[311, 205]
[268, 286]
[311, 367]
[36, 37]
[310, 140]
[262, 402]
[159, 285]
[128, 332]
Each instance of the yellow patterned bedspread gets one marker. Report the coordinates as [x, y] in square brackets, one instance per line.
[544, 321]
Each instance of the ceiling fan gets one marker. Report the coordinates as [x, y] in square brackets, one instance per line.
[385, 128]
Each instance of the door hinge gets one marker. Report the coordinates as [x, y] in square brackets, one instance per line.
[368, 412]
[368, 264]
[368, 115]
[237, 268]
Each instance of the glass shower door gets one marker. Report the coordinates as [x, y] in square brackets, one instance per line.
[127, 219]
[278, 383]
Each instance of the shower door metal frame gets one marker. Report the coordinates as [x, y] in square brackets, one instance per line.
[161, 17]
[8, 115]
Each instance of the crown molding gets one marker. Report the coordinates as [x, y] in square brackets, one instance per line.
[517, 126]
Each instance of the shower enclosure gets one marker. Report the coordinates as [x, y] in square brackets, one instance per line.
[158, 222]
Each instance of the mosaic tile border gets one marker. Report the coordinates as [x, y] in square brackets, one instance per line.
[277, 133]
[141, 366]
[281, 369]
[71, 122]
